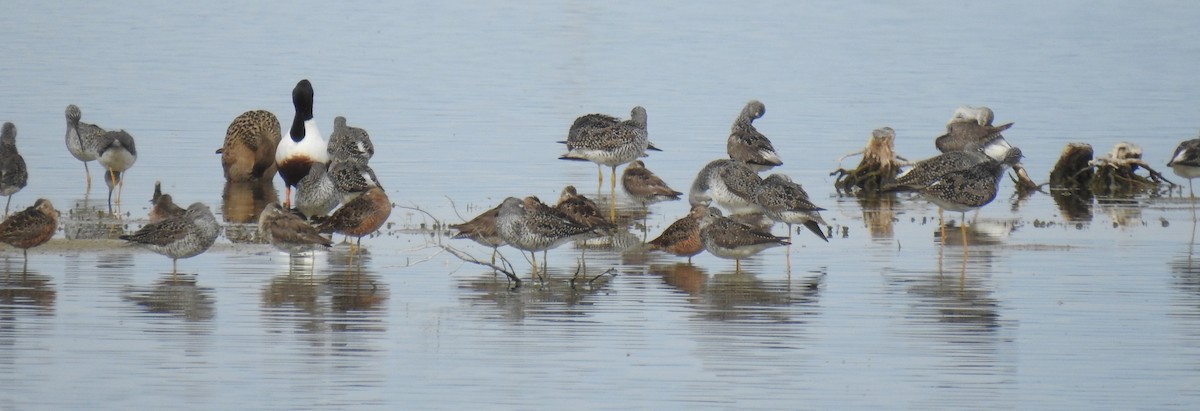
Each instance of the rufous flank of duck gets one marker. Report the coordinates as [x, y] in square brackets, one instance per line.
[726, 238]
[13, 173]
[118, 153]
[248, 153]
[81, 139]
[303, 144]
[349, 142]
[747, 145]
[162, 206]
[287, 232]
[316, 194]
[1185, 162]
[361, 216]
[30, 227]
[728, 183]
[182, 236]
[682, 237]
[785, 201]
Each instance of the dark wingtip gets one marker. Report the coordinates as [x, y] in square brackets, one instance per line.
[816, 229]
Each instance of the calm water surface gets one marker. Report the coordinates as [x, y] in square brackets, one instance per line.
[465, 102]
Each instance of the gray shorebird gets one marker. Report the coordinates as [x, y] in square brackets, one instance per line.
[182, 236]
[303, 145]
[646, 188]
[248, 153]
[535, 228]
[316, 195]
[162, 205]
[81, 139]
[972, 127]
[13, 174]
[30, 227]
[787, 202]
[351, 177]
[726, 238]
[482, 230]
[967, 189]
[682, 237]
[1186, 162]
[612, 146]
[749, 146]
[361, 216]
[728, 183]
[117, 154]
[288, 232]
[349, 142]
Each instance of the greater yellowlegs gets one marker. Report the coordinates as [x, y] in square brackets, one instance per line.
[361, 216]
[682, 237]
[729, 183]
[749, 146]
[533, 228]
[13, 174]
[30, 227]
[182, 236]
[970, 188]
[117, 154]
[288, 232]
[162, 205]
[81, 139]
[1186, 162]
[726, 238]
[647, 188]
[482, 230]
[349, 142]
[249, 150]
[351, 177]
[316, 195]
[303, 145]
[610, 145]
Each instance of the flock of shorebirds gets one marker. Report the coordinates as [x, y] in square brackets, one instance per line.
[336, 191]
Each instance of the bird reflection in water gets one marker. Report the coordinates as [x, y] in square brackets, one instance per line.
[742, 296]
[21, 287]
[241, 204]
[555, 297]
[357, 296]
[175, 295]
[683, 276]
[878, 214]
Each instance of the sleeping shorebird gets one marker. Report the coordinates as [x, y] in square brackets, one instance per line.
[30, 227]
[361, 216]
[749, 146]
[248, 153]
[482, 230]
[162, 206]
[647, 188]
[13, 173]
[612, 146]
[534, 227]
[349, 142]
[117, 153]
[728, 183]
[682, 237]
[182, 236]
[726, 238]
[316, 195]
[288, 232]
[303, 145]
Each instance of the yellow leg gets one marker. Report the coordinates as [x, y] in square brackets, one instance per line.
[533, 256]
[964, 235]
[600, 178]
[942, 227]
[612, 199]
[789, 248]
[645, 221]
[87, 174]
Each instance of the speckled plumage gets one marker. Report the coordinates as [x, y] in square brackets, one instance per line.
[81, 139]
[644, 186]
[30, 227]
[248, 153]
[729, 183]
[349, 142]
[361, 216]
[316, 194]
[785, 201]
[13, 174]
[726, 238]
[581, 209]
[182, 236]
[926, 171]
[971, 127]
[610, 144]
[534, 228]
[352, 177]
[288, 232]
[746, 144]
[970, 188]
[162, 205]
[682, 237]
[1186, 159]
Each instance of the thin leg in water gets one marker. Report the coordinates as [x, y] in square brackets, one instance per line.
[612, 197]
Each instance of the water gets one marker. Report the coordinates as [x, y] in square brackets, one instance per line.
[465, 101]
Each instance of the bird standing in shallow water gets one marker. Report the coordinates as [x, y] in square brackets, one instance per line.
[682, 237]
[482, 229]
[288, 232]
[81, 139]
[749, 146]
[785, 201]
[162, 206]
[117, 154]
[361, 216]
[248, 153]
[303, 145]
[182, 236]
[1186, 162]
[610, 145]
[531, 226]
[30, 227]
[645, 187]
[726, 238]
[13, 174]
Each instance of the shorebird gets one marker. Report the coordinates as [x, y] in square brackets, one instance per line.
[349, 142]
[645, 187]
[971, 127]
[162, 206]
[928, 171]
[1186, 162]
[482, 229]
[117, 154]
[316, 195]
[729, 183]
[81, 138]
[787, 202]
[535, 228]
[351, 177]
[749, 146]
[682, 237]
[610, 145]
[182, 236]
[30, 227]
[726, 238]
[13, 174]
[361, 216]
[288, 232]
[581, 209]
[968, 188]
[303, 144]
[249, 150]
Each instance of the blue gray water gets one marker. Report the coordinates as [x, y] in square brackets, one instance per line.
[465, 102]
